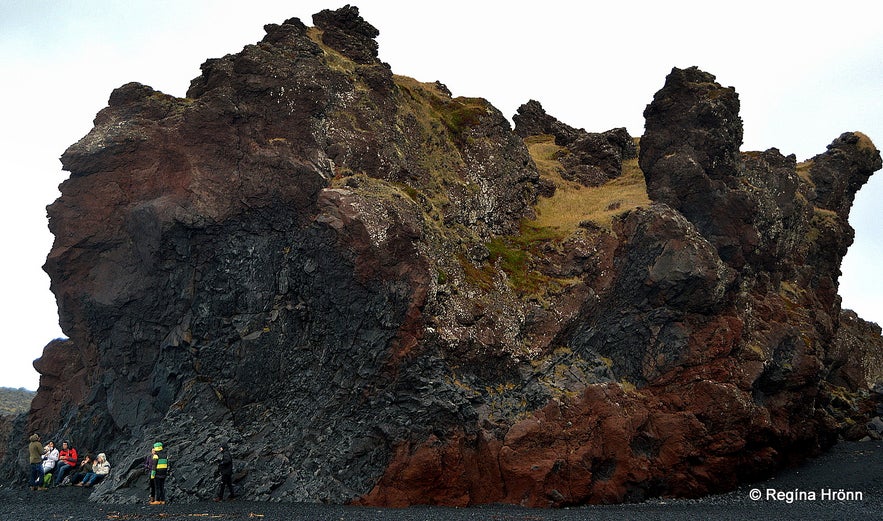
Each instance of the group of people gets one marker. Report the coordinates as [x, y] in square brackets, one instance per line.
[53, 467]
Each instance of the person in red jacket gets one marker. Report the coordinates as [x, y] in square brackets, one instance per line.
[67, 459]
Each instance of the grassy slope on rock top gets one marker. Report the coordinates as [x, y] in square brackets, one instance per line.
[573, 203]
[441, 119]
[559, 217]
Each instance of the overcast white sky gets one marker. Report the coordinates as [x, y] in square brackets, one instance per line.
[805, 73]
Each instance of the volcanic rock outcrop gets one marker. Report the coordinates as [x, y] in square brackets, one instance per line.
[589, 158]
[381, 294]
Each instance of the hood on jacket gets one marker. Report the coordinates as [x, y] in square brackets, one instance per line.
[34, 437]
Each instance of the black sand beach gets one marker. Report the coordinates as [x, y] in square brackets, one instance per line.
[846, 483]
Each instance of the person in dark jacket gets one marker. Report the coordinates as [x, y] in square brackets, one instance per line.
[225, 469]
[84, 468]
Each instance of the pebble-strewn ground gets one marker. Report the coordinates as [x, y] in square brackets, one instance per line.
[849, 470]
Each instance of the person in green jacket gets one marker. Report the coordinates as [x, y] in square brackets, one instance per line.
[35, 457]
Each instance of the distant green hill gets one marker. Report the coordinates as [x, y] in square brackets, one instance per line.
[14, 401]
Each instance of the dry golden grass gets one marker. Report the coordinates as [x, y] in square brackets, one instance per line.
[573, 203]
[803, 171]
[412, 84]
[334, 59]
[864, 142]
[545, 153]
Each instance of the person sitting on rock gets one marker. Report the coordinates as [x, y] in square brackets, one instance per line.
[84, 469]
[67, 460]
[50, 457]
[100, 470]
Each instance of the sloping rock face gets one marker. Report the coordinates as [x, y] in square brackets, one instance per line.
[334, 269]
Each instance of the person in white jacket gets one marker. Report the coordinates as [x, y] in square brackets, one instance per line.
[50, 457]
[100, 470]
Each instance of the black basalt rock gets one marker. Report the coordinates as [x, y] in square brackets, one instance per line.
[589, 158]
[348, 33]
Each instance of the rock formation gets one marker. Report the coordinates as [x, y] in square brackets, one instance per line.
[352, 278]
[589, 158]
